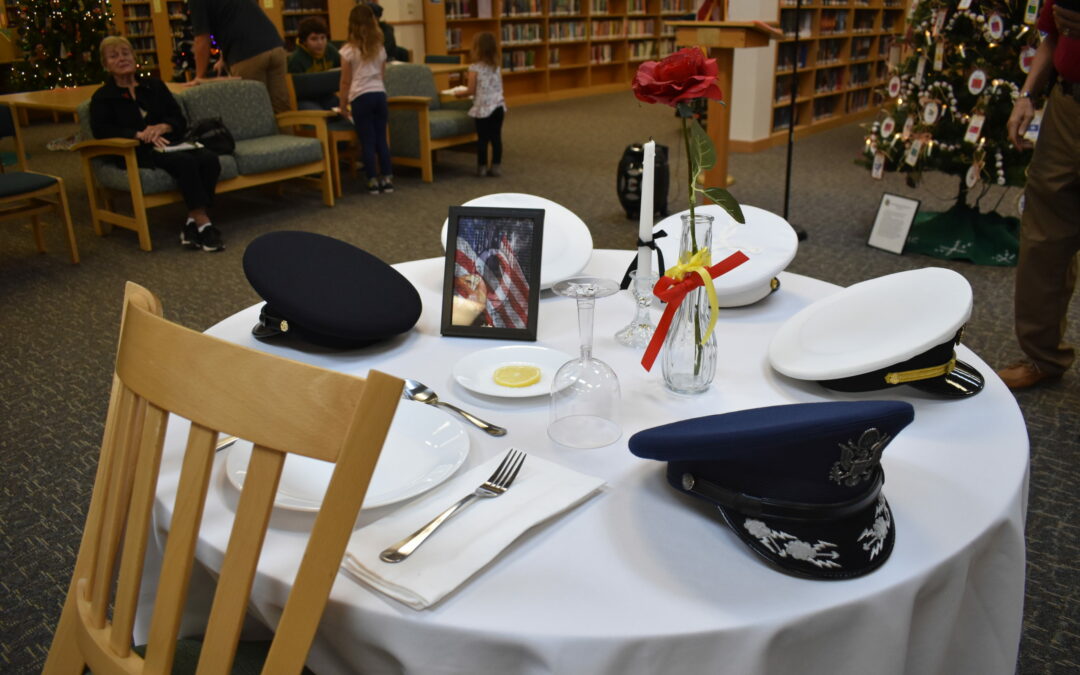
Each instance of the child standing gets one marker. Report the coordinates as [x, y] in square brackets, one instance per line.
[485, 85]
[363, 65]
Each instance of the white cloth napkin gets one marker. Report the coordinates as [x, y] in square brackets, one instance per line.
[470, 539]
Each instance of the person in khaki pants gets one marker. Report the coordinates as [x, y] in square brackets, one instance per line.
[249, 43]
[1050, 225]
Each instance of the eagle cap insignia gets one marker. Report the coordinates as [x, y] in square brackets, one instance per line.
[859, 459]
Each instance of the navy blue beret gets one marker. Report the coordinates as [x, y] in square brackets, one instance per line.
[327, 291]
[799, 484]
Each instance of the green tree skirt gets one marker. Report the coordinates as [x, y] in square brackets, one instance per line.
[963, 233]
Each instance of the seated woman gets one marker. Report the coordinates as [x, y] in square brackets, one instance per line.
[145, 110]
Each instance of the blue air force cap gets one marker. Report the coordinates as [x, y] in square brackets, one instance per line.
[801, 484]
[326, 291]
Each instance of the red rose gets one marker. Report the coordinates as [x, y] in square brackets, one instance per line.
[683, 76]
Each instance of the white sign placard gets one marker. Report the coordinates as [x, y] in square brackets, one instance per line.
[1032, 133]
[878, 169]
[912, 157]
[972, 176]
[894, 86]
[888, 126]
[995, 26]
[976, 82]
[931, 112]
[974, 129]
[893, 222]
[964, 4]
[1027, 57]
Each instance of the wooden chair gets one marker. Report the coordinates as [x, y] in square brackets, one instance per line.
[315, 91]
[29, 193]
[420, 122]
[283, 407]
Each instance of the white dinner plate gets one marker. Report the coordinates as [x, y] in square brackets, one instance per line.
[872, 324]
[767, 240]
[567, 242]
[425, 447]
[475, 371]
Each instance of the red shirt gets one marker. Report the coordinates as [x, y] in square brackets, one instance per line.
[1067, 52]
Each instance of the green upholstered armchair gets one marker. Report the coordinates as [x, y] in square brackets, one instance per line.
[264, 154]
[420, 123]
[319, 91]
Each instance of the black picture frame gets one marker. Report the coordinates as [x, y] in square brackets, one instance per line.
[491, 280]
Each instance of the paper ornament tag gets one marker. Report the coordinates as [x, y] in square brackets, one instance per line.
[894, 86]
[920, 70]
[1032, 133]
[939, 20]
[930, 112]
[964, 4]
[939, 55]
[1031, 12]
[894, 55]
[912, 157]
[974, 129]
[1021, 202]
[878, 170]
[972, 176]
[1027, 57]
[888, 126]
[909, 127]
[995, 26]
[976, 81]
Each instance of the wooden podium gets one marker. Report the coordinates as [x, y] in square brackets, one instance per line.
[721, 39]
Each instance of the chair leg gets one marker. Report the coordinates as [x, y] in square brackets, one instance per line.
[65, 215]
[142, 225]
[335, 168]
[64, 655]
[93, 193]
[39, 238]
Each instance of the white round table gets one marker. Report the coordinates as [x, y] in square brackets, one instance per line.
[642, 579]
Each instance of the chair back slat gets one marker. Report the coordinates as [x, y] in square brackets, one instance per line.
[282, 406]
[241, 559]
[121, 478]
[137, 528]
[179, 556]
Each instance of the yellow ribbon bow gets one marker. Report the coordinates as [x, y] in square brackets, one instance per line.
[699, 264]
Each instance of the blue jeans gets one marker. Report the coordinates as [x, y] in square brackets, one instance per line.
[369, 113]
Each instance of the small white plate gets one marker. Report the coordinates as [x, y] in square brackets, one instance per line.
[567, 245]
[425, 447]
[475, 371]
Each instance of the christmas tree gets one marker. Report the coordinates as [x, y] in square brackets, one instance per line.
[59, 40]
[955, 76]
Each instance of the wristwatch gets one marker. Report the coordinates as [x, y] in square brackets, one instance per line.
[1025, 94]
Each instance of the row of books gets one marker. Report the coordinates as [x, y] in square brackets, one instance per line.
[315, 6]
[829, 51]
[830, 80]
[604, 28]
[601, 54]
[640, 27]
[522, 8]
[521, 32]
[860, 47]
[785, 56]
[832, 22]
[137, 12]
[788, 23]
[859, 74]
[566, 30]
[519, 59]
[135, 28]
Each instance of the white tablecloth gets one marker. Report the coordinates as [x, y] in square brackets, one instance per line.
[642, 579]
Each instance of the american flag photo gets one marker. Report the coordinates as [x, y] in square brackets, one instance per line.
[492, 271]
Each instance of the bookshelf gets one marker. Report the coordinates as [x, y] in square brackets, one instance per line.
[555, 49]
[842, 58]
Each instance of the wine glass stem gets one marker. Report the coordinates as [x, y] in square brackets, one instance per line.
[585, 325]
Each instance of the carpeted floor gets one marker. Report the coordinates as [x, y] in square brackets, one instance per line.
[59, 322]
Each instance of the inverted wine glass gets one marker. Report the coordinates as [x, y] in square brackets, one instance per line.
[585, 390]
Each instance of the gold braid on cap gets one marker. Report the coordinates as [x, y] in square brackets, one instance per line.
[903, 376]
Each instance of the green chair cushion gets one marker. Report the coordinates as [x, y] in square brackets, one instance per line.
[114, 177]
[280, 151]
[412, 79]
[21, 182]
[447, 123]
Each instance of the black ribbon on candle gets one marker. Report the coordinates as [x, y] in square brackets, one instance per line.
[633, 264]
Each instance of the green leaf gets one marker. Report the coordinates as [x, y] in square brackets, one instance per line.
[702, 153]
[683, 109]
[724, 200]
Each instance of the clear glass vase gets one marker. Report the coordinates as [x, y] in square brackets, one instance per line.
[687, 365]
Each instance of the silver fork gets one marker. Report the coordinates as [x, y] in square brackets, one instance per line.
[498, 483]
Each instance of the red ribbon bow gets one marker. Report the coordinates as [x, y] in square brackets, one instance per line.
[672, 292]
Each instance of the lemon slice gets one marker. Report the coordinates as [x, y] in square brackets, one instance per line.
[517, 375]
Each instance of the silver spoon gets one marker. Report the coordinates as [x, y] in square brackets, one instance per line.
[418, 391]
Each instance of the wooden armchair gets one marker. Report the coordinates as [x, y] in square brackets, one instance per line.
[28, 194]
[282, 407]
[264, 153]
[420, 123]
[319, 91]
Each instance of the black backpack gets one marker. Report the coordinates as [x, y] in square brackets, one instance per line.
[213, 135]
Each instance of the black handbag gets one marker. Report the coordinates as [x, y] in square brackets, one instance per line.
[213, 135]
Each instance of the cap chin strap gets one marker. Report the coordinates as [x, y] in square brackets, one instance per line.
[763, 507]
[902, 376]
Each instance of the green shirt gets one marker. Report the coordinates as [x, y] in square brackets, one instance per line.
[302, 61]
